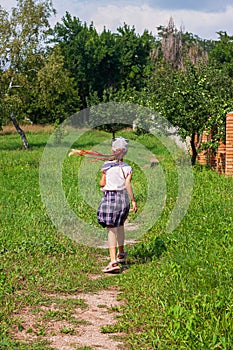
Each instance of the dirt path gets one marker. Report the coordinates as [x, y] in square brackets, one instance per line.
[72, 322]
[82, 327]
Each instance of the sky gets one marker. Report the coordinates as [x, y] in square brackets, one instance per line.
[203, 18]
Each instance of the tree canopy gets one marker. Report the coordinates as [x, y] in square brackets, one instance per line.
[47, 74]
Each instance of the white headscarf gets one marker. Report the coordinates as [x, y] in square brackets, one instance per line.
[120, 143]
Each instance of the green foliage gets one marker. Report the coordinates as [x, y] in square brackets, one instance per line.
[134, 56]
[170, 74]
[54, 94]
[99, 62]
[22, 47]
[222, 52]
[59, 132]
[67, 330]
[192, 99]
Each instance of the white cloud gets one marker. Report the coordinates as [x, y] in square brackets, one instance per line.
[8, 4]
[203, 24]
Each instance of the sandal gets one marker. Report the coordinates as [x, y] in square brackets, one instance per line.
[112, 267]
[121, 257]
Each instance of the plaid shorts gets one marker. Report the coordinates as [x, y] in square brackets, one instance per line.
[113, 209]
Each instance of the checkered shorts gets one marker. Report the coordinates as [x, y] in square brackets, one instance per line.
[113, 209]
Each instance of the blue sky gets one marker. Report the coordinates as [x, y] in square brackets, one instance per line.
[201, 17]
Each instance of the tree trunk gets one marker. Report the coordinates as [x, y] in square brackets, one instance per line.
[20, 131]
[194, 150]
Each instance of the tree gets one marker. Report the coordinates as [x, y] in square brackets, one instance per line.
[134, 56]
[222, 52]
[192, 100]
[185, 88]
[176, 47]
[102, 61]
[54, 94]
[79, 45]
[22, 47]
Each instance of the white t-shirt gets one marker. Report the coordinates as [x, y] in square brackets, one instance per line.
[115, 179]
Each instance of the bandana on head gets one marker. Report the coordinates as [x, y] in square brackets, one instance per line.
[120, 143]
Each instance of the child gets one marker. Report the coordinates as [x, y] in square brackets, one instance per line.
[114, 207]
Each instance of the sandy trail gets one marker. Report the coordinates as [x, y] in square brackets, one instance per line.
[87, 330]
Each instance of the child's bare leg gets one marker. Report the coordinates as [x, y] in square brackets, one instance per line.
[112, 242]
[121, 238]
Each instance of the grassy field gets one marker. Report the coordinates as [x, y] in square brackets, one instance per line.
[184, 299]
[178, 289]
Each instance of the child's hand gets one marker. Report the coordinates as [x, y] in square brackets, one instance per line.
[78, 152]
[135, 208]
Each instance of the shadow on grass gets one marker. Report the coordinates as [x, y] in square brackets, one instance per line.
[145, 251]
[140, 253]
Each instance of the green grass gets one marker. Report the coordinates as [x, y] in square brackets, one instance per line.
[178, 289]
[35, 258]
[184, 300]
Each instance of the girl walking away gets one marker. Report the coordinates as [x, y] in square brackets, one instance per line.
[114, 207]
[115, 204]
